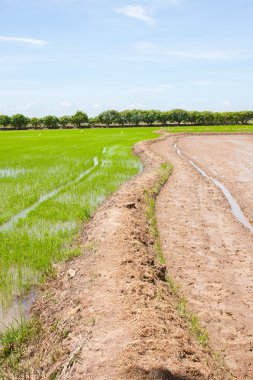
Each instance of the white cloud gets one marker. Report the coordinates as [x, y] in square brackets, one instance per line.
[159, 88]
[135, 106]
[136, 11]
[22, 82]
[226, 103]
[65, 104]
[203, 83]
[162, 52]
[145, 48]
[24, 40]
[25, 107]
[201, 55]
[167, 2]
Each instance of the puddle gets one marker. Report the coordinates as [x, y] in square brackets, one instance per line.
[235, 208]
[177, 150]
[7, 226]
[11, 172]
[19, 309]
[199, 170]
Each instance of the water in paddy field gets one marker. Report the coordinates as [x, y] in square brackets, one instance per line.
[7, 226]
[235, 208]
[18, 310]
[11, 314]
[11, 172]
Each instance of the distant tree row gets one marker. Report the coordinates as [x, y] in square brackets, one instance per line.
[115, 118]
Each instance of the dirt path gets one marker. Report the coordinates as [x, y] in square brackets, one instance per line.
[208, 252]
[109, 313]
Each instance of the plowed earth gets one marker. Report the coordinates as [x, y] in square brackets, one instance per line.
[208, 251]
[109, 314]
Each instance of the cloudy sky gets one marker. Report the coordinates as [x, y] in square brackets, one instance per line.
[57, 56]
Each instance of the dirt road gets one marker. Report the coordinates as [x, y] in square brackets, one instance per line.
[208, 251]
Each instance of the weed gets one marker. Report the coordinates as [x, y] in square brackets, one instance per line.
[17, 335]
[197, 330]
[94, 276]
[91, 321]
[14, 340]
[150, 196]
[159, 294]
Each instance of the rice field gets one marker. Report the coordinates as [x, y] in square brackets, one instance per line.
[210, 129]
[50, 183]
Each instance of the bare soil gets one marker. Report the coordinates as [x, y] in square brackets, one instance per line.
[208, 251]
[109, 314]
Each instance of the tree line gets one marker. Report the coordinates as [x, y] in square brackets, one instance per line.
[113, 118]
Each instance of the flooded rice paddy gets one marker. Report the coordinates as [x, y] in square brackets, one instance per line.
[51, 182]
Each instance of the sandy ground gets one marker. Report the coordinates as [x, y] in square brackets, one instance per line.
[208, 251]
[109, 314]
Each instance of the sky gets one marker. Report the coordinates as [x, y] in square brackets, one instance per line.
[59, 56]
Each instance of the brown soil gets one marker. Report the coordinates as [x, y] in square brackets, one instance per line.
[208, 251]
[109, 314]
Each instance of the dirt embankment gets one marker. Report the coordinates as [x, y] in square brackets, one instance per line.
[109, 314]
[208, 251]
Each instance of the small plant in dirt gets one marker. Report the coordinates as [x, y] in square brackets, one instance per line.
[150, 196]
[13, 342]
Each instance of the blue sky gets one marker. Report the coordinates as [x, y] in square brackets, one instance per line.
[58, 56]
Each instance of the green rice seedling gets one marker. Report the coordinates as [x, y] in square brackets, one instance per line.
[209, 129]
[54, 181]
[14, 338]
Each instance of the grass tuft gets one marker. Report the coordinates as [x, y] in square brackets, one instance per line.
[195, 327]
[13, 342]
[150, 197]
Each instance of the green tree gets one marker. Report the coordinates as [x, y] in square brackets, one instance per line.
[151, 117]
[165, 117]
[208, 118]
[136, 116]
[93, 121]
[121, 119]
[5, 121]
[64, 121]
[19, 121]
[126, 115]
[35, 122]
[179, 116]
[79, 119]
[50, 122]
[109, 117]
[245, 116]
